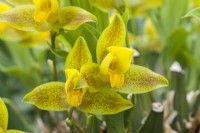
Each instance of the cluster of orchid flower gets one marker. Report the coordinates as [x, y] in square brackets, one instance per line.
[90, 87]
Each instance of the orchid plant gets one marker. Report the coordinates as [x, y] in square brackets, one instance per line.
[92, 85]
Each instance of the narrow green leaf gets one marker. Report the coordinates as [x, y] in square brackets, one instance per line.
[154, 122]
[115, 123]
[178, 84]
[58, 52]
[93, 124]
[194, 13]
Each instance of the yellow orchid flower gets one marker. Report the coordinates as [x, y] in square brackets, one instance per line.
[87, 87]
[3, 7]
[116, 63]
[46, 15]
[46, 10]
[4, 119]
[25, 38]
[78, 90]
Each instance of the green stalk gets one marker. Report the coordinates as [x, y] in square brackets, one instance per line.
[69, 120]
[53, 37]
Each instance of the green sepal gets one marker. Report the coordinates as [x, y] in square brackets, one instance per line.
[22, 18]
[72, 17]
[139, 79]
[79, 55]
[105, 101]
[48, 96]
[113, 35]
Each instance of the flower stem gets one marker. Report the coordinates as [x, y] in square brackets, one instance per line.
[53, 37]
[69, 120]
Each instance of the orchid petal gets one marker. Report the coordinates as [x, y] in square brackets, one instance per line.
[49, 96]
[79, 55]
[113, 35]
[72, 17]
[139, 79]
[116, 63]
[91, 74]
[74, 95]
[14, 131]
[22, 18]
[46, 9]
[105, 101]
[4, 7]
[3, 116]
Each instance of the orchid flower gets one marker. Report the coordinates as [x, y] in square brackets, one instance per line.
[92, 87]
[46, 15]
[25, 38]
[4, 119]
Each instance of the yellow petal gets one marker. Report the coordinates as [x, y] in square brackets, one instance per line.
[3, 116]
[46, 9]
[74, 96]
[79, 55]
[2, 130]
[91, 74]
[72, 17]
[113, 35]
[41, 16]
[116, 63]
[22, 18]
[49, 96]
[14, 131]
[118, 60]
[116, 80]
[4, 7]
[139, 79]
[105, 101]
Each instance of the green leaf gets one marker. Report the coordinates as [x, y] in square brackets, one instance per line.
[170, 10]
[174, 46]
[93, 124]
[58, 52]
[178, 84]
[139, 79]
[194, 13]
[49, 96]
[105, 101]
[115, 123]
[154, 122]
